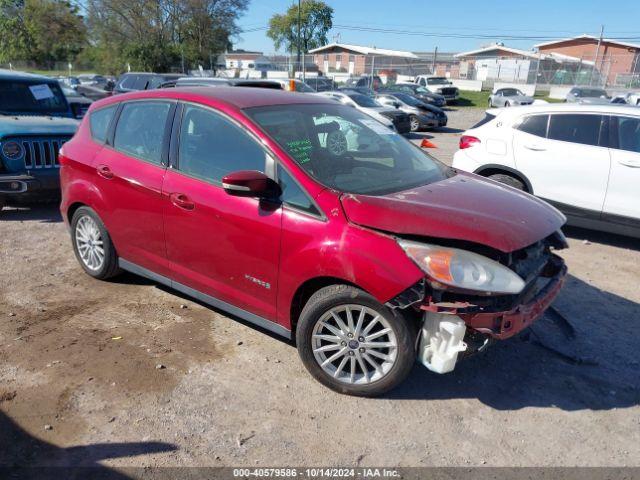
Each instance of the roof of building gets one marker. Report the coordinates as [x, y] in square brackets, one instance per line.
[365, 50]
[497, 46]
[440, 56]
[588, 37]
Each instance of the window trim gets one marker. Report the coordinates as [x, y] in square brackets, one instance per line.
[165, 135]
[518, 123]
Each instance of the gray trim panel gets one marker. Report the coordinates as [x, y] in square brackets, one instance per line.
[203, 297]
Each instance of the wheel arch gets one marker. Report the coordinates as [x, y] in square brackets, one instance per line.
[492, 169]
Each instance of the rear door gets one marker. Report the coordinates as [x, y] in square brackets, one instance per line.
[129, 175]
[565, 158]
[623, 192]
[225, 246]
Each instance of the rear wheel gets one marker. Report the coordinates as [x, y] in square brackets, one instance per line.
[507, 104]
[353, 344]
[3, 202]
[508, 180]
[415, 123]
[92, 244]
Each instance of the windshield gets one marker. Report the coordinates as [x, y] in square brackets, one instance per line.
[437, 81]
[303, 87]
[592, 92]
[511, 92]
[347, 150]
[408, 99]
[33, 97]
[363, 100]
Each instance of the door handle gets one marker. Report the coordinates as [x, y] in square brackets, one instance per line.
[630, 163]
[104, 171]
[180, 200]
[535, 148]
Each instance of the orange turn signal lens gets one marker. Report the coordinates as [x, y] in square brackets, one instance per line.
[439, 263]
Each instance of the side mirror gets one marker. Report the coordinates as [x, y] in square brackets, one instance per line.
[250, 183]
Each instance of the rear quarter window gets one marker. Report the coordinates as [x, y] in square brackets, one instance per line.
[99, 122]
[534, 125]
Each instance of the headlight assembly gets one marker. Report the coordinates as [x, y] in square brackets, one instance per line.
[463, 269]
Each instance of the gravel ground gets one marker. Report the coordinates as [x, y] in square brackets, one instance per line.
[127, 373]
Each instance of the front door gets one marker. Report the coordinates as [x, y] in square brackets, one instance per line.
[224, 246]
[129, 175]
[623, 192]
[565, 158]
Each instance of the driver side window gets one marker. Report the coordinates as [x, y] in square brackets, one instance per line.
[211, 146]
[140, 130]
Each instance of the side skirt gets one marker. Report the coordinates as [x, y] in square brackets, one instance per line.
[208, 299]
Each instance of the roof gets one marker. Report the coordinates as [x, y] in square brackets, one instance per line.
[589, 37]
[490, 48]
[611, 108]
[17, 75]
[365, 50]
[440, 56]
[235, 97]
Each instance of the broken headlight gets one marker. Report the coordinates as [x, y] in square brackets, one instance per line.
[463, 269]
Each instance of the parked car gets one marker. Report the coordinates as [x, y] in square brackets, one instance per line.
[417, 91]
[392, 118]
[35, 121]
[100, 82]
[79, 103]
[629, 98]
[588, 95]
[71, 82]
[583, 159]
[228, 196]
[440, 85]
[131, 82]
[509, 97]
[321, 84]
[372, 82]
[221, 82]
[421, 115]
[299, 85]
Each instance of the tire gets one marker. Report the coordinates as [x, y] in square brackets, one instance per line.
[508, 180]
[98, 260]
[312, 336]
[415, 123]
[490, 104]
[3, 202]
[507, 104]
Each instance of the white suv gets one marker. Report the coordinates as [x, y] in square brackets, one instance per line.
[439, 85]
[583, 159]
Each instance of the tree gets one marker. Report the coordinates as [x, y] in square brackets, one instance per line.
[316, 19]
[158, 35]
[43, 31]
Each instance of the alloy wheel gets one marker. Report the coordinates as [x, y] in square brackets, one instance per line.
[89, 243]
[337, 143]
[354, 344]
[415, 124]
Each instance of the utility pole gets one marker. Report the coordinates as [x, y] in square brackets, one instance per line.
[595, 60]
[299, 39]
[435, 56]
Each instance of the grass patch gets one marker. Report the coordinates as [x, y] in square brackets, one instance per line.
[481, 99]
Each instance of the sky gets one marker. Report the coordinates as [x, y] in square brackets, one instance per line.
[454, 26]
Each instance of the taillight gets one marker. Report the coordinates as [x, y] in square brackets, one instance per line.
[467, 141]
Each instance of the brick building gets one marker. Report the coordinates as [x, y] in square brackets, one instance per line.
[358, 60]
[614, 60]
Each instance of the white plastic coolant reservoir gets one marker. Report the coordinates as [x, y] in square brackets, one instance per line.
[441, 340]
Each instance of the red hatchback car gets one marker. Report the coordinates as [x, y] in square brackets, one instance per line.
[312, 220]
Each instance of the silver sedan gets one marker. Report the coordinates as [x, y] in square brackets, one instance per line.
[508, 97]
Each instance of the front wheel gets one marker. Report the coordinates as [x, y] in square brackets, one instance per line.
[415, 123]
[353, 344]
[92, 245]
[508, 180]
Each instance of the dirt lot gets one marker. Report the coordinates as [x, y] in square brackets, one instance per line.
[127, 373]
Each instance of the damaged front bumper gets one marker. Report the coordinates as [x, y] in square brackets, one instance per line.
[456, 324]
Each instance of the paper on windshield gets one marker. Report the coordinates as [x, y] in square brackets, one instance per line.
[41, 92]
[376, 126]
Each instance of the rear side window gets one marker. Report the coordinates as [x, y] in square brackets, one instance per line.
[99, 122]
[576, 128]
[211, 146]
[140, 130]
[629, 134]
[534, 125]
[127, 82]
[141, 82]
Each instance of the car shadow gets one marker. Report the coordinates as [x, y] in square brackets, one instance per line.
[25, 456]
[48, 213]
[596, 236]
[448, 130]
[582, 354]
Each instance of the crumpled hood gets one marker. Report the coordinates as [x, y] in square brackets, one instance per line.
[463, 207]
[36, 125]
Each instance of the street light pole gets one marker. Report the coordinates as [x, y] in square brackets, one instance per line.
[299, 39]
